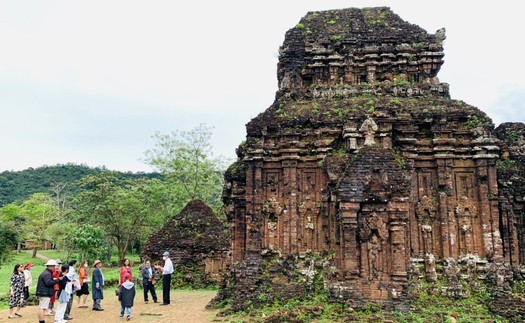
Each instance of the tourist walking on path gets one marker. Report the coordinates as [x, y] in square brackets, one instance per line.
[126, 296]
[44, 288]
[167, 270]
[63, 295]
[125, 269]
[73, 278]
[97, 286]
[16, 291]
[83, 279]
[148, 282]
[28, 280]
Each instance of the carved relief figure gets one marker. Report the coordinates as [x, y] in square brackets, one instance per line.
[465, 212]
[272, 211]
[369, 128]
[308, 211]
[272, 227]
[309, 183]
[425, 213]
[272, 181]
[374, 255]
[373, 234]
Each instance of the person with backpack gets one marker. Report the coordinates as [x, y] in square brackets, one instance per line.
[126, 296]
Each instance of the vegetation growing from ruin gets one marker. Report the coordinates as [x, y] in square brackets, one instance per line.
[513, 137]
[318, 305]
[506, 163]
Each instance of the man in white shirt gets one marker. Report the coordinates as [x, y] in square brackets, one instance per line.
[167, 270]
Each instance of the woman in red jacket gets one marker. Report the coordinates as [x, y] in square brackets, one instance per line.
[125, 269]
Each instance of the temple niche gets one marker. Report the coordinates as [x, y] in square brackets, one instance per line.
[364, 160]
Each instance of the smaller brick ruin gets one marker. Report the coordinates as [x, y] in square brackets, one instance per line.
[197, 242]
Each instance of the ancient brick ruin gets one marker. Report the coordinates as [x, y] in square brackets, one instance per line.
[365, 169]
[197, 243]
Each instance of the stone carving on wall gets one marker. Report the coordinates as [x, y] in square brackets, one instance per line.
[272, 206]
[465, 211]
[426, 213]
[374, 234]
[272, 210]
[308, 212]
[272, 183]
[369, 128]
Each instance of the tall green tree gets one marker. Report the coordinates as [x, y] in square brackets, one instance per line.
[89, 240]
[39, 211]
[8, 241]
[11, 217]
[123, 209]
[186, 160]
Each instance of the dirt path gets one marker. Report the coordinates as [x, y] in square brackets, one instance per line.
[186, 306]
[38, 255]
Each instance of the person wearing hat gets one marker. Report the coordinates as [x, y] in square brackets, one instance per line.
[56, 274]
[167, 270]
[28, 280]
[44, 288]
[97, 286]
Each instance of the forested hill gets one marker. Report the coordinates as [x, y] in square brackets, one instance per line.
[20, 185]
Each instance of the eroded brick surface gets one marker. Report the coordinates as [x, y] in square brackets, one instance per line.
[197, 244]
[365, 163]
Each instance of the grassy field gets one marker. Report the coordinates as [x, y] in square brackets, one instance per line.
[111, 273]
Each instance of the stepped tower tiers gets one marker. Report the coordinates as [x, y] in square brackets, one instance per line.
[364, 160]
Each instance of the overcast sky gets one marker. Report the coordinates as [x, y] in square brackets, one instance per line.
[90, 82]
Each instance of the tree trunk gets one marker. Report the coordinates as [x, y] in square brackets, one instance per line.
[34, 252]
[122, 250]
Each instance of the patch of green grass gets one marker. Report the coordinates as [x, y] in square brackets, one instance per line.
[6, 270]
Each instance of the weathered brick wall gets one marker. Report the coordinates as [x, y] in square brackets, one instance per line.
[511, 182]
[364, 156]
[198, 245]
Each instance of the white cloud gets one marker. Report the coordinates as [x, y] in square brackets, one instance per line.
[91, 81]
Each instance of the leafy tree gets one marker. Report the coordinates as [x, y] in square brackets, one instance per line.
[11, 216]
[88, 240]
[39, 212]
[186, 161]
[8, 240]
[62, 234]
[123, 209]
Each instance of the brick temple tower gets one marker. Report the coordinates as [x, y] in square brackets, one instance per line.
[364, 160]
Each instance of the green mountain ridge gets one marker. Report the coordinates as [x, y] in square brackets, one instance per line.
[17, 186]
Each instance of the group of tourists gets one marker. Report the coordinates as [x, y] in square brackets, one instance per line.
[58, 283]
